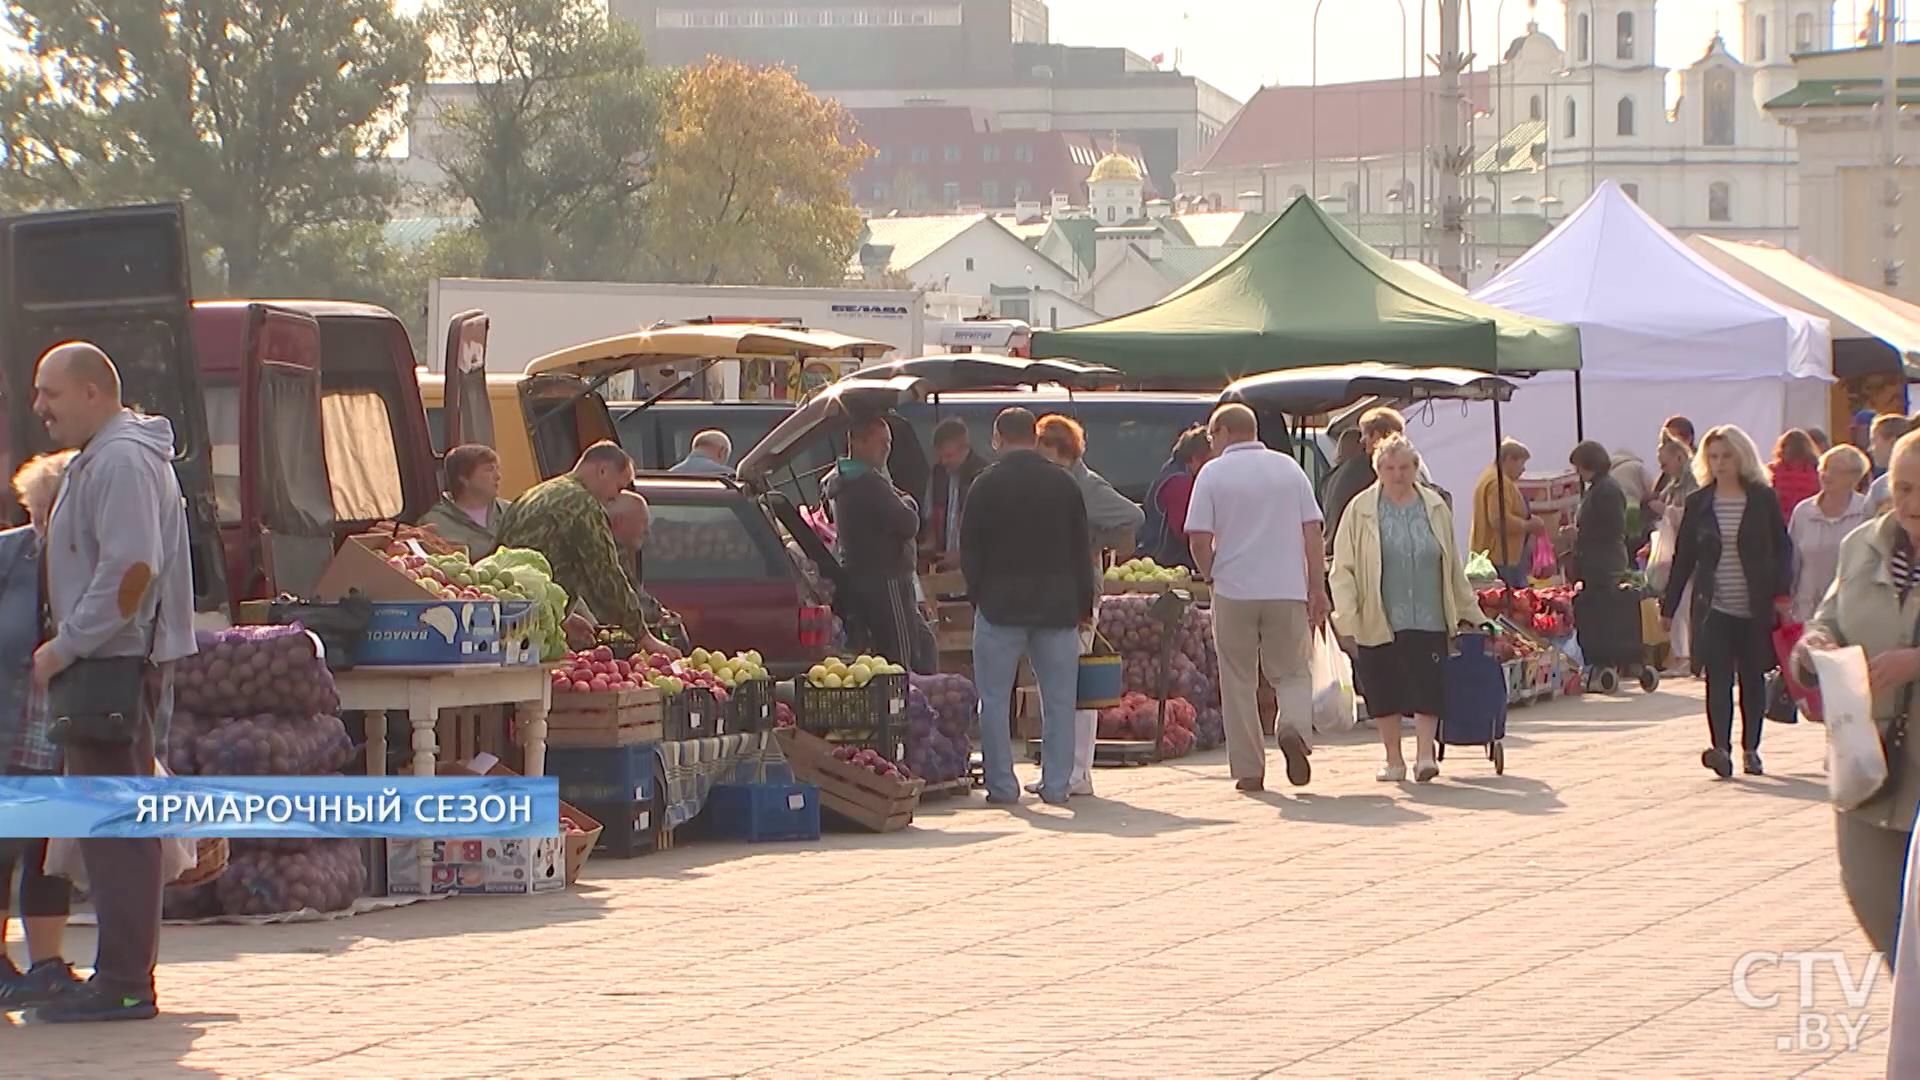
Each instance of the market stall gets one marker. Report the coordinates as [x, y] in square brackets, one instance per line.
[1661, 332]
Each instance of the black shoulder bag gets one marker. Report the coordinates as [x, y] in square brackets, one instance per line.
[100, 699]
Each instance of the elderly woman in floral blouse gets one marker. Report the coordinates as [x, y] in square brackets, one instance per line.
[24, 747]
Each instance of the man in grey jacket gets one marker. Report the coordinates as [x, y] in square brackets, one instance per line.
[119, 584]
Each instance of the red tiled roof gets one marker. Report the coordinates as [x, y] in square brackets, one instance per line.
[1358, 119]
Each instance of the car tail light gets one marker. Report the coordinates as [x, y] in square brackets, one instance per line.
[816, 627]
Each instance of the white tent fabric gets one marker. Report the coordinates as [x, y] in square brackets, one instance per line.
[1662, 332]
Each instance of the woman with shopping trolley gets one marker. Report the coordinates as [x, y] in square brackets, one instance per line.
[1400, 591]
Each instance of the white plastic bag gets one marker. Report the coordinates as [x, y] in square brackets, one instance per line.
[1333, 698]
[1856, 760]
[1660, 555]
[177, 854]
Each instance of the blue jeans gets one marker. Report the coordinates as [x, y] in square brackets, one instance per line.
[1054, 653]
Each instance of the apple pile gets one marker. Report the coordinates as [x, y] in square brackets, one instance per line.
[871, 761]
[729, 671]
[835, 673]
[598, 671]
[1141, 570]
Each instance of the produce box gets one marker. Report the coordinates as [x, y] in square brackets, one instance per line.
[874, 714]
[750, 708]
[629, 828]
[761, 812]
[361, 564]
[608, 718]
[596, 774]
[941, 584]
[872, 802]
[429, 632]
[692, 713]
[1550, 492]
[518, 646]
[479, 867]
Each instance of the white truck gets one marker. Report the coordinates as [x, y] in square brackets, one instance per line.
[533, 318]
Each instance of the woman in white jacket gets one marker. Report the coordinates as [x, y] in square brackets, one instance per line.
[1112, 520]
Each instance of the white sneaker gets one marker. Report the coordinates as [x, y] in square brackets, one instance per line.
[1391, 774]
[1084, 787]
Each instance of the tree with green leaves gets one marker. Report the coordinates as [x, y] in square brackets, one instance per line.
[267, 117]
[754, 180]
[548, 127]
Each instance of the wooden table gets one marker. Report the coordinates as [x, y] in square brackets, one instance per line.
[424, 691]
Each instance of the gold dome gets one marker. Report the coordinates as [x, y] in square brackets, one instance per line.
[1114, 169]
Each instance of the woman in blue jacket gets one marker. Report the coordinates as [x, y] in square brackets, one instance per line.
[24, 747]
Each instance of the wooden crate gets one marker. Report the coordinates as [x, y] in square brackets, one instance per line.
[1199, 590]
[943, 583]
[872, 802]
[613, 718]
[953, 626]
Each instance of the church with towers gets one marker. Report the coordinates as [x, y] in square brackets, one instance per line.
[1561, 111]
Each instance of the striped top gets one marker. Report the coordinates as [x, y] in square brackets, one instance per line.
[1730, 578]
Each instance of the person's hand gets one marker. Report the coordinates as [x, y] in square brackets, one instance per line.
[1666, 623]
[1890, 670]
[1318, 608]
[929, 612]
[655, 645]
[1783, 609]
[1537, 526]
[46, 664]
[578, 631]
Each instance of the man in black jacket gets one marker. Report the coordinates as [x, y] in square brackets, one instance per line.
[877, 525]
[1023, 548]
[955, 469]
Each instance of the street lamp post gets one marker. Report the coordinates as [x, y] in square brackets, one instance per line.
[1450, 161]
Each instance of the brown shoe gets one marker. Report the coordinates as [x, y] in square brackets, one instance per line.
[1250, 784]
[1299, 769]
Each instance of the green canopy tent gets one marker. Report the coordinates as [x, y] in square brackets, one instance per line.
[1305, 292]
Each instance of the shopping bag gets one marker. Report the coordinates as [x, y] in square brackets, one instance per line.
[1480, 568]
[1332, 672]
[1545, 566]
[1780, 707]
[177, 854]
[1856, 760]
[1785, 637]
[1660, 555]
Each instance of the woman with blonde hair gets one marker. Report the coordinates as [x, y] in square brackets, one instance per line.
[1734, 551]
[1400, 592]
[25, 749]
[1112, 521]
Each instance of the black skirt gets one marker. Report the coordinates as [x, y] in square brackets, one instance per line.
[1402, 677]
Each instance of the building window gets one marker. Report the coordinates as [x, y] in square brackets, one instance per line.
[1022, 191]
[989, 194]
[1718, 115]
[886, 155]
[777, 18]
[1803, 33]
[969, 266]
[1350, 194]
[879, 193]
[1631, 191]
[1110, 217]
[920, 155]
[1536, 110]
[1719, 201]
[990, 152]
[1760, 39]
[1022, 153]
[1623, 36]
[1573, 119]
[950, 154]
[1583, 38]
[1624, 117]
[1016, 308]
[950, 194]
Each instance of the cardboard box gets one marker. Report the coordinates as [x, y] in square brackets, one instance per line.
[361, 564]
[408, 633]
[1550, 492]
[495, 867]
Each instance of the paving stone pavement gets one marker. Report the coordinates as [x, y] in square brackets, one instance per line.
[1580, 917]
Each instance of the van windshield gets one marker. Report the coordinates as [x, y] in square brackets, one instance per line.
[703, 542]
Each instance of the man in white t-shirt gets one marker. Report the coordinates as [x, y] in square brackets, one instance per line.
[1255, 530]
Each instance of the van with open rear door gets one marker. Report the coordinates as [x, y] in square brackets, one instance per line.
[297, 422]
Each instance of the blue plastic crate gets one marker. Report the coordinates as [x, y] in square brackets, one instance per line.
[761, 812]
[603, 774]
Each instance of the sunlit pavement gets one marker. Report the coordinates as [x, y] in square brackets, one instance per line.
[1582, 916]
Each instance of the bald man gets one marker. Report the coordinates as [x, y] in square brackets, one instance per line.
[120, 593]
[1255, 530]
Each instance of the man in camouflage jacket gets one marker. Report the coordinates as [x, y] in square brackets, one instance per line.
[565, 519]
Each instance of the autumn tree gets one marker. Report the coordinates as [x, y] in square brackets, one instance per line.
[266, 116]
[549, 133]
[753, 183]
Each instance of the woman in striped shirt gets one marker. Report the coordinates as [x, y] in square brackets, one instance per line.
[1734, 550]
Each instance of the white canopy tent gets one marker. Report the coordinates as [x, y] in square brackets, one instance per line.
[1662, 332]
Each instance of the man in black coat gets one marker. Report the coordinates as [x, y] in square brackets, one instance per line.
[876, 524]
[1023, 548]
[955, 469]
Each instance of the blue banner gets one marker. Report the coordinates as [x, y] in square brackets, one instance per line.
[281, 807]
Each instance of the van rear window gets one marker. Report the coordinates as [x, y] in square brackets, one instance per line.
[694, 542]
[362, 459]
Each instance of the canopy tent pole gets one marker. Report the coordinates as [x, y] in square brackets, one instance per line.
[1579, 410]
[1500, 501]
